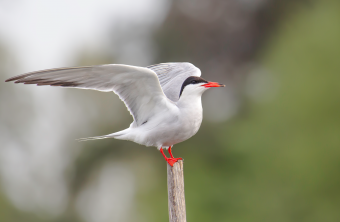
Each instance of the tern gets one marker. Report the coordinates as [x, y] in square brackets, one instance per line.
[163, 99]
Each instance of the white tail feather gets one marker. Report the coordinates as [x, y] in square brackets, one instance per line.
[93, 138]
[112, 135]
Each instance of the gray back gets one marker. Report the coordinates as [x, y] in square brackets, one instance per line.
[172, 75]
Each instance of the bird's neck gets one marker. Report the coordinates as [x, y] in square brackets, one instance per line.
[191, 112]
[190, 101]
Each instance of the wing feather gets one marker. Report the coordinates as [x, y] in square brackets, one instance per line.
[137, 87]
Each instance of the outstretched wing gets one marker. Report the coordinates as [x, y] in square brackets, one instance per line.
[138, 87]
[172, 75]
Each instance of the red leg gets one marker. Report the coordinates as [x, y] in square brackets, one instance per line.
[170, 160]
[162, 152]
[169, 150]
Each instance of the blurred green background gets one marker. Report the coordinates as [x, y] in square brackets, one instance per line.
[268, 148]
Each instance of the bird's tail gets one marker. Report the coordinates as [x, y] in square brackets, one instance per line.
[115, 135]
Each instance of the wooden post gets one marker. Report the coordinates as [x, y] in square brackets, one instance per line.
[176, 199]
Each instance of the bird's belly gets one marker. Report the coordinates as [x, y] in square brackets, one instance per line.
[170, 133]
[177, 137]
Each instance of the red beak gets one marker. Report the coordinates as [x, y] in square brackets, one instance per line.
[213, 84]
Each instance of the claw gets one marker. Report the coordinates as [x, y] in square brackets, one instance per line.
[171, 161]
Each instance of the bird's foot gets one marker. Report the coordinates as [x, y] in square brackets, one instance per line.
[172, 161]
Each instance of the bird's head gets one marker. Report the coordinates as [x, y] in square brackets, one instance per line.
[194, 85]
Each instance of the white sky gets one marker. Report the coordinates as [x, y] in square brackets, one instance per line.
[41, 32]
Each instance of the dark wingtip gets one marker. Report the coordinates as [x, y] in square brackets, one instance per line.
[41, 82]
[13, 78]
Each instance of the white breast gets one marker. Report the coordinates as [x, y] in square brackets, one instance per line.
[172, 126]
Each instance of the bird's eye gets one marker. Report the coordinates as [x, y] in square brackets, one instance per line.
[193, 81]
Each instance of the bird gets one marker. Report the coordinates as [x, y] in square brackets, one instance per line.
[164, 99]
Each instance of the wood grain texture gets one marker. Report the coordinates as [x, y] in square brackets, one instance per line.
[176, 198]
